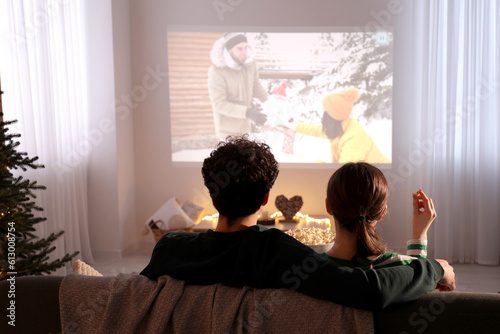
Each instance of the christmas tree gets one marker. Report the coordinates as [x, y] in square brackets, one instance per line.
[21, 252]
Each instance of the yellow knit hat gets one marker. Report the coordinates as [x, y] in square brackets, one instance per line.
[339, 105]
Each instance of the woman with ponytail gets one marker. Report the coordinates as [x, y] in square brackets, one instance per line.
[357, 199]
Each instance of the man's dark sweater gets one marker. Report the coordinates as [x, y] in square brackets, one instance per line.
[268, 258]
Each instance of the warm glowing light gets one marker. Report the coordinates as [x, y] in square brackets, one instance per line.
[278, 214]
[212, 217]
[306, 218]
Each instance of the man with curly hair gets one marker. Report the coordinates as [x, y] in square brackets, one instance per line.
[239, 175]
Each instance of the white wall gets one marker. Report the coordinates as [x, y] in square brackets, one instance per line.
[156, 179]
[102, 179]
[131, 173]
[124, 92]
[112, 221]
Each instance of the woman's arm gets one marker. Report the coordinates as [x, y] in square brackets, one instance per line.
[423, 216]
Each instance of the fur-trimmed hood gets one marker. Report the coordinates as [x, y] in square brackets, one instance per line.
[220, 57]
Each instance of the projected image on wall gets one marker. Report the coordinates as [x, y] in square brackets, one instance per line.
[314, 97]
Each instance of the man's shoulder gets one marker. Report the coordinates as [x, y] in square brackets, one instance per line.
[264, 231]
[179, 238]
[180, 235]
[214, 70]
[254, 236]
[257, 230]
[275, 238]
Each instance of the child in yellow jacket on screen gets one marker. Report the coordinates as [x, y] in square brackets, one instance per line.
[348, 140]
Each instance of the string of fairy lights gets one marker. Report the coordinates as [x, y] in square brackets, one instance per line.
[302, 218]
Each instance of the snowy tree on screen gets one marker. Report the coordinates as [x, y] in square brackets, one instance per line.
[365, 62]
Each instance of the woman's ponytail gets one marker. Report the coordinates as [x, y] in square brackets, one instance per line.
[357, 197]
[370, 247]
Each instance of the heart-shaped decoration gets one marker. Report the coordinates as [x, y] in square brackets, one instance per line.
[288, 207]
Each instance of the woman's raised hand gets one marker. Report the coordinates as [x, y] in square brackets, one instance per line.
[423, 215]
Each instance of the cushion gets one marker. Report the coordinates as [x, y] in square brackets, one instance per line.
[80, 267]
[171, 216]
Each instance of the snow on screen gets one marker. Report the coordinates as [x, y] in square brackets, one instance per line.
[298, 70]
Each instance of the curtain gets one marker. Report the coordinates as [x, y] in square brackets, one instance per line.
[44, 80]
[455, 125]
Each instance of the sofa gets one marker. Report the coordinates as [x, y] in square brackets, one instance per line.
[46, 304]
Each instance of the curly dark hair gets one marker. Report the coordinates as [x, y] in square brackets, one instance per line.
[331, 127]
[239, 174]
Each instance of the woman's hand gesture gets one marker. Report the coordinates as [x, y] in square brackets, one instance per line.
[423, 215]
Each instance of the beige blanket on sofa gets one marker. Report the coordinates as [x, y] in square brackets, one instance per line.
[135, 304]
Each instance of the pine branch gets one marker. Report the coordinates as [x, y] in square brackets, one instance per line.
[18, 214]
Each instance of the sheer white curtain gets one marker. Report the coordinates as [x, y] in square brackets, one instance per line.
[455, 125]
[44, 80]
